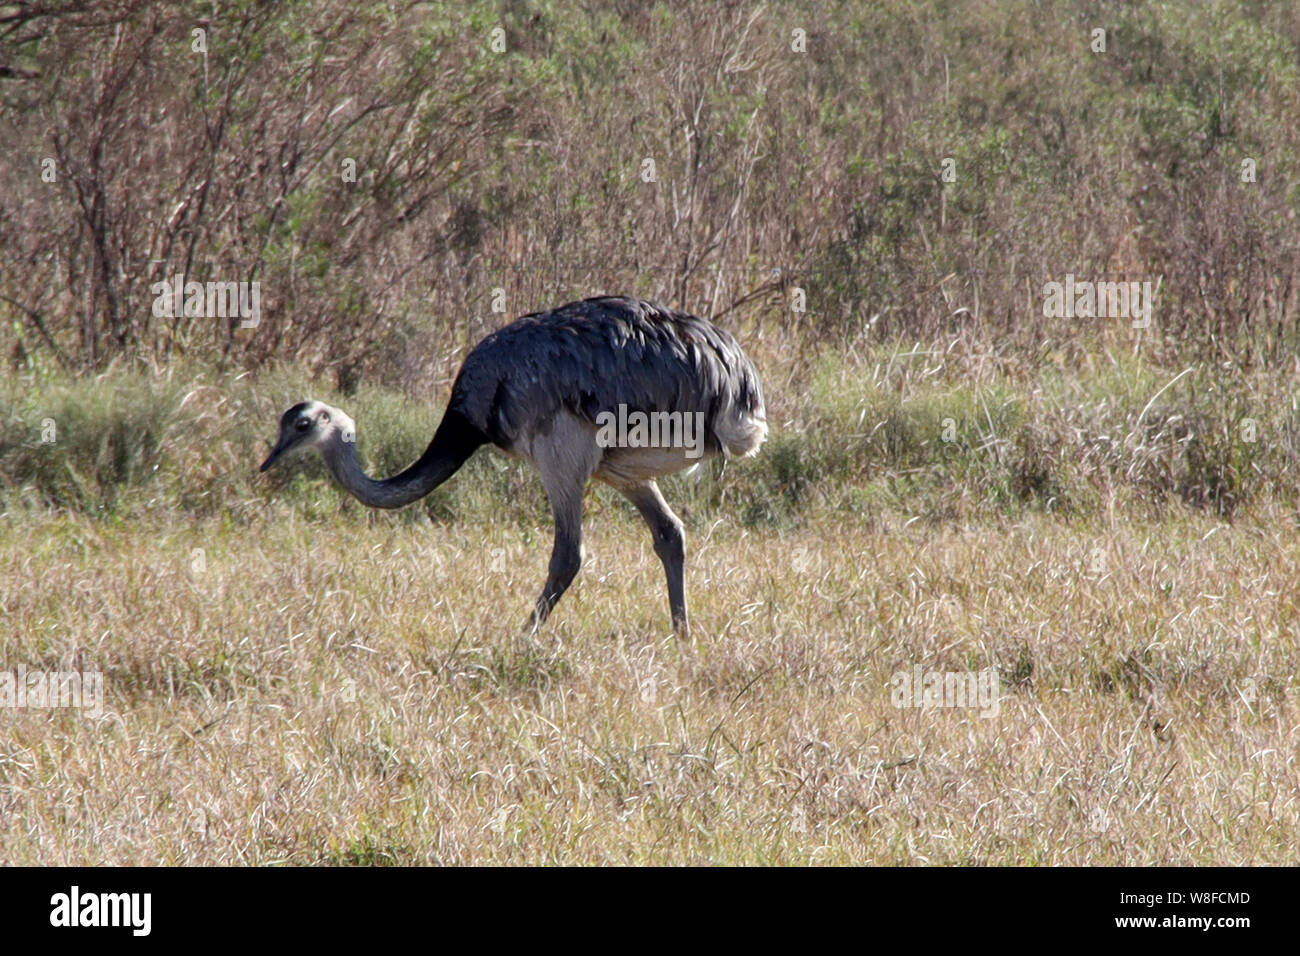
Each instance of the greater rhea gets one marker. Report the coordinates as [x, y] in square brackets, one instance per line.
[547, 388]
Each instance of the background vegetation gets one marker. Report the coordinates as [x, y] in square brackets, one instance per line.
[522, 170]
[783, 179]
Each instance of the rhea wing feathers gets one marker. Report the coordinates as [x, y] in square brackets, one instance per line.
[592, 356]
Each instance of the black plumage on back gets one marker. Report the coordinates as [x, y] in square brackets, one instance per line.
[592, 356]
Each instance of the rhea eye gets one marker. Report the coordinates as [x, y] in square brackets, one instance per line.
[324, 417]
[301, 424]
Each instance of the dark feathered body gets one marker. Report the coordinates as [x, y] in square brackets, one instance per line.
[592, 356]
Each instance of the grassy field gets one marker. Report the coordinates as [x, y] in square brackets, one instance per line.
[292, 679]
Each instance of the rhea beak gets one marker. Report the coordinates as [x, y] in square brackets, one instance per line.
[280, 448]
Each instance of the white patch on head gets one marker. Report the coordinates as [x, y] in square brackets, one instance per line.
[344, 426]
[329, 424]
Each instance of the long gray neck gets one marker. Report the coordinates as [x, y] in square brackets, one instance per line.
[453, 443]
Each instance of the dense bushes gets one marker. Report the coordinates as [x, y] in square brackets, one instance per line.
[382, 170]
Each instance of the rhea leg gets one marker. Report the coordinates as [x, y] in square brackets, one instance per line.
[566, 458]
[670, 545]
[566, 554]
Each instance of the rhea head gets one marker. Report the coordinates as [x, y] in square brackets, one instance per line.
[311, 425]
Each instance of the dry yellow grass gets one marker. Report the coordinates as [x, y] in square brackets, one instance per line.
[355, 691]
